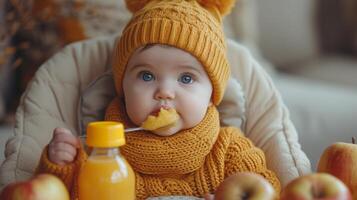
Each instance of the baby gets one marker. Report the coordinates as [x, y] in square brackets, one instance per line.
[171, 56]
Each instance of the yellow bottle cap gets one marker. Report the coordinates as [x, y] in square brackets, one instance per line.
[105, 134]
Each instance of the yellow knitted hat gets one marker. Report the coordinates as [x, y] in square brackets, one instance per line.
[192, 25]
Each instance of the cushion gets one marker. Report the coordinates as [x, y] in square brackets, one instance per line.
[95, 99]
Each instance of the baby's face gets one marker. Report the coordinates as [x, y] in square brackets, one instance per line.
[162, 76]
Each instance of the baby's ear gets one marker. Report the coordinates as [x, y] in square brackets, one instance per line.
[210, 103]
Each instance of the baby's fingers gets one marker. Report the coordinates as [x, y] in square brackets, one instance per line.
[65, 135]
[63, 147]
[61, 153]
[63, 158]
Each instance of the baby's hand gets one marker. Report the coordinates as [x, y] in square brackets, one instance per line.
[62, 148]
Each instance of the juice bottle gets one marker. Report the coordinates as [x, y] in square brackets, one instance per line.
[106, 174]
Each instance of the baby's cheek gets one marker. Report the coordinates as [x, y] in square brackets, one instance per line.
[136, 114]
[192, 117]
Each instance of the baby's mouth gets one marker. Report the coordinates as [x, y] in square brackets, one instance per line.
[157, 111]
[161, 118]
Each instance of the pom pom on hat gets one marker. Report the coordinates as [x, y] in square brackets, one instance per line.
[135, 5]
[224, 6]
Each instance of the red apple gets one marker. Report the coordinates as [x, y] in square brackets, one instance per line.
[321, 186]
[340, 160]
[245, 185]
[40, 187]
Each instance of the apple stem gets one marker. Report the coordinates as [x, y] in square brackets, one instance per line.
[353, 140]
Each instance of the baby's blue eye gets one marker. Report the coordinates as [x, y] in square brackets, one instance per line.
[147, 76]
[186, 79]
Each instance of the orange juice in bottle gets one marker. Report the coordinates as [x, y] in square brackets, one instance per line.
[106, 174]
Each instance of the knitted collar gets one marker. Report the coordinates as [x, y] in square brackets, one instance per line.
[181, 153]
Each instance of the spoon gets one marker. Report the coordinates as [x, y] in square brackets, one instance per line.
[127, 130]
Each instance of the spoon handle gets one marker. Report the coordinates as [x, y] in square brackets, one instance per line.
[127, 130]
[133, 129]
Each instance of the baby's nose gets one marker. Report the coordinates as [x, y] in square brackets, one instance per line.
[164, 93]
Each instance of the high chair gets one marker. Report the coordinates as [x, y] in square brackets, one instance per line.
[75, 86]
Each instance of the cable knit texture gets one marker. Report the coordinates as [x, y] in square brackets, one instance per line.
[192, 162]
[194, 26]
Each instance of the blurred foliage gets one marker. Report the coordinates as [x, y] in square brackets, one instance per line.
[33, 30]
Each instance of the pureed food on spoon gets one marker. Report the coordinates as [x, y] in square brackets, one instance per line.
[166, 117]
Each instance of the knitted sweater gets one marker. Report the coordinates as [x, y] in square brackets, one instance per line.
[192, 171]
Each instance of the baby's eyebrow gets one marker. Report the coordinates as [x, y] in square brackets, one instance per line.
[139, 65]
[191, 68]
